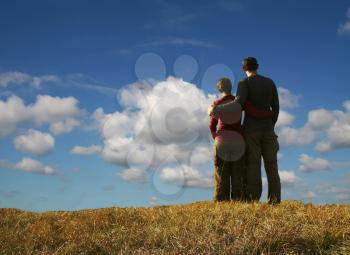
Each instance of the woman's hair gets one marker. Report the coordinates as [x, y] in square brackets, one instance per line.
[224, 85]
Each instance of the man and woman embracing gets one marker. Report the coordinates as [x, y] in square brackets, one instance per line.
[238, 148]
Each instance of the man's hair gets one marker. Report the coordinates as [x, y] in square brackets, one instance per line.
[224, 85]
[250, 64]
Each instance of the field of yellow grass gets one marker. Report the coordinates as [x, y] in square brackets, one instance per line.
[198, 228]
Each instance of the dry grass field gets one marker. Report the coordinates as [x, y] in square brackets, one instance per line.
[198, 228]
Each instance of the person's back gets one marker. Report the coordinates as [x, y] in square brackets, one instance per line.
[214, 122]
[262, 93]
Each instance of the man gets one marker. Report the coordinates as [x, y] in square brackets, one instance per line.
[260, 138]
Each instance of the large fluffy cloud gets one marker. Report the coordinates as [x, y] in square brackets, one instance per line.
[161, 120]
[161, 124]
[35, 142]
[61, 114]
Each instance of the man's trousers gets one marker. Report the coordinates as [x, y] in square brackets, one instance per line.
[262, 144]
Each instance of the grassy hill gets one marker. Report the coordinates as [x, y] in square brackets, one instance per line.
[197, 228]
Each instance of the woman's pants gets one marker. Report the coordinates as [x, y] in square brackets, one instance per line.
[229, 179]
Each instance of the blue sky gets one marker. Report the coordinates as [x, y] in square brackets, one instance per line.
[84, 85]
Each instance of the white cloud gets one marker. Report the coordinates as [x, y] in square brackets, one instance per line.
[81, 150]
[320, 118]
[35, 142]
[64, 126]
[337, 131]
[169, 41]
[159, 124]
[38, 81]
[332, 126]
[10, 78]
[134, 95]
[201, 155]
[344, 29]
[296, 136]
[124, 150]
[323, 146]
[34, 166]
[318, 121]
[287, 99]
[284, 119]
[187, 176]
[29, 165]
[59, 113]
[327, 188]
[13, 78]
[309, 164]
[49, 109]
[289, 179]
[133, 175]
[346, 105]
[78, 80]
[338, 136]
[12, 112]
